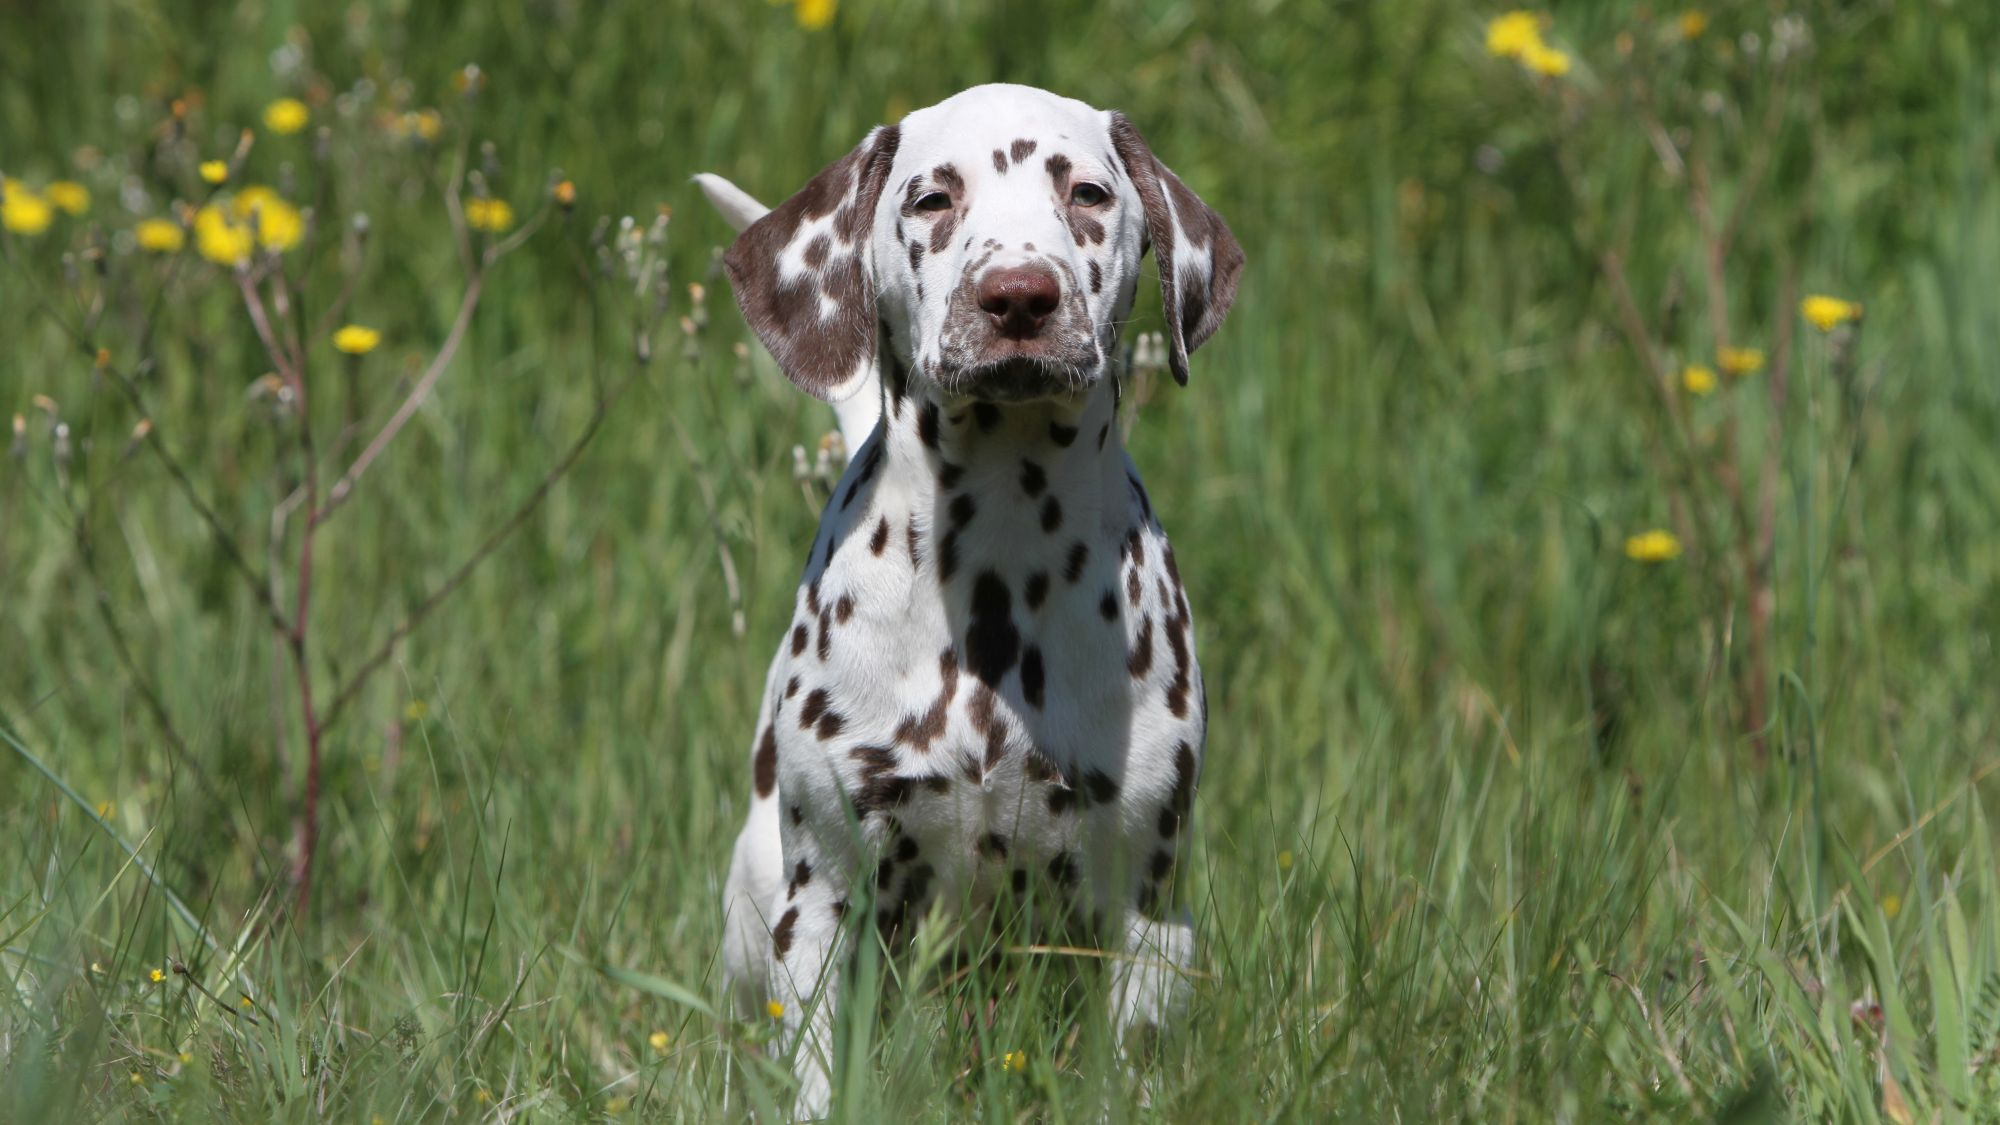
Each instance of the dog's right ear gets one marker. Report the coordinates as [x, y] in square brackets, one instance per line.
[803, 275]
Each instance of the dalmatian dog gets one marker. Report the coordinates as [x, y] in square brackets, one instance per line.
[987, 698]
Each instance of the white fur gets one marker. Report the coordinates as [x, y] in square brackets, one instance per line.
[876, 623]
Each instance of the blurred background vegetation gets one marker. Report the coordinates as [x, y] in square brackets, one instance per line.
[1499, 820]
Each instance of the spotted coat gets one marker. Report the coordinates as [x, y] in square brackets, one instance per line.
[987, 695]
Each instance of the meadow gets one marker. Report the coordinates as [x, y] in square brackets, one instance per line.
[1588, 510]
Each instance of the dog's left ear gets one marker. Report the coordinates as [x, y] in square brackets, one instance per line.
[802, 274]
[1199, 259]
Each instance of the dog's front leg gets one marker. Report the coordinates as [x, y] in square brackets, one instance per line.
[806, 977]
[1149, 983]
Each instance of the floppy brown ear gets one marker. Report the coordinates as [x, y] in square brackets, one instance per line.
[1199, 259]
[802, 274]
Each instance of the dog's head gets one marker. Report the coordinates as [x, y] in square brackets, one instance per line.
[992, 243]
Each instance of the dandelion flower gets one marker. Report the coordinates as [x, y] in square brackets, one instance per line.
[1510, 36]
[659, 1040]
[426, 123]
[186, 1057]
[1016, 1061]
[1284, 861]
[286, 116]
[156, 976]
[1653, 546]
[1738, 362]
[1543, 59]
[69, 196]
[1892, 905]
[214, 171]
[221, 239]
[355, 339]
[161, 236]
[1698, 379]
[136, 1080]
[1692, 23]
[279, 224]
[775, 1008]
[22, 211]
[1828, 313]
[491, 215]
[243, 1002]
[814, 15]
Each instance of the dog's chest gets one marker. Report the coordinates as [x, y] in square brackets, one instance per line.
[996, 677]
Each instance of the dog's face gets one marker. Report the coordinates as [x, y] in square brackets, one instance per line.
[1007, 243]
[991, 243]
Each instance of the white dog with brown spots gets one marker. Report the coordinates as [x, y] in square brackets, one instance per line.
[988, 697]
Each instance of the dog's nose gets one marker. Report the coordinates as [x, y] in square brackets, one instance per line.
[1019, 298]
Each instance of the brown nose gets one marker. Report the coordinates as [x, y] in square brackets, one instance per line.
[1019, 298]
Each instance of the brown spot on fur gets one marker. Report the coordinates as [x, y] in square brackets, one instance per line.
[1058, 168]
[999, 162]
[1140, 660]
[798, 639]
[781, 934]
[1079, 553]
[1036, 590]
[843, 609]
[922, 730]
[1031, 675]
[1096, 280]
[1021, 149]
[880, 539]
[764, 767]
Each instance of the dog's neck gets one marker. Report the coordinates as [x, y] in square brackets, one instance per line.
[963, 442]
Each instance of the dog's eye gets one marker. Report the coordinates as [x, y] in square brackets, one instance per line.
[1088, 195]
[934, 201]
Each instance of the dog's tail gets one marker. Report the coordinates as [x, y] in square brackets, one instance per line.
[735, 204]
[860, 411]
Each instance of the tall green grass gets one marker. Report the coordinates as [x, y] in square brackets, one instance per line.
[1481, 834]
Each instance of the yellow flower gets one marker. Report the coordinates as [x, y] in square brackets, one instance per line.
[416, 709]
[243, 1002]
[220, 239]
[565, 194]
[1698, 379]
[1828, 313]
[1510, 36]
[426, 123]
[1653, 546]
[22, 211]
[1284, 861]
[1016, 1061]
[1544, 59]
[616, 1106]
[156, 976]
[161, 236]
[227, 233]
[482, 1095]
[214, 171]
[1738, 362]
[357, 340]
[659, 1040]
[814, 15]
[279, 224]
[186, 1057]
[776, 1009]
[1692, 23]
[489, 214]
[106, 810]
[286, 116]
[1892, 905]
[136, 1080]
[68, 195]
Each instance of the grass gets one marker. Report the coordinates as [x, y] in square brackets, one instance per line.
[1482, 832]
